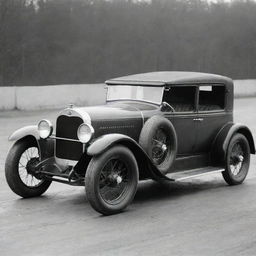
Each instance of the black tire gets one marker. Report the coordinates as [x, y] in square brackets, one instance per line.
[13, 171]
[237, 160]
[148, 133]
[99, 178]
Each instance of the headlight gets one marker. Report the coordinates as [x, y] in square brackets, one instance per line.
[45, 128]
[85, 132]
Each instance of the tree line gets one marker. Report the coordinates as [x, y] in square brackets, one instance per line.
[86, 41]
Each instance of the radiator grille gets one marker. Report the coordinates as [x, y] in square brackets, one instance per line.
[67, 128]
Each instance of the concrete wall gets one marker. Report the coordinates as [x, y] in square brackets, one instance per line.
[245, 88]
[49, 97]
[59, 96]
[7, 98]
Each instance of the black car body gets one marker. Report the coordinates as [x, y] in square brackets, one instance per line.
[169, 125]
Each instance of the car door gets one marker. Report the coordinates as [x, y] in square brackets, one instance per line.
[212, 115]
[182, 99]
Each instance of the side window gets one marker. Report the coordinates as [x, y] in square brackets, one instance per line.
[181, 98]
[211, 98]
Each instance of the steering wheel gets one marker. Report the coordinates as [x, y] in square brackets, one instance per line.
[167, 105]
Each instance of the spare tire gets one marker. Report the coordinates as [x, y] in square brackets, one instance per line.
[158, 139]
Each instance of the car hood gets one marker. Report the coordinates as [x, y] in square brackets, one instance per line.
[114, 117]
[112, 111]
[115, 110]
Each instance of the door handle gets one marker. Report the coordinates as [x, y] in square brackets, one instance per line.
[198, 119]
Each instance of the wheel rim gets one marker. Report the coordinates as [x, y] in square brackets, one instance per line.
[160, 147]
[29, 158]
[114, 181]
[237, 158]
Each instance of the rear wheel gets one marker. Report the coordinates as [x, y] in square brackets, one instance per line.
[19, 172]
[237, 160]
[111, 180]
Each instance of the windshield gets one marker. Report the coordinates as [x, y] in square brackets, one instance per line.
[128, 92]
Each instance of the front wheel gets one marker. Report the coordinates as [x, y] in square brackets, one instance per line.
[19, 174]
[237, 160]
[111, 180]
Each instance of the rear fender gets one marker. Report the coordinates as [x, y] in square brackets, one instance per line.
[146, 167]
[221, 142]
[45, 146]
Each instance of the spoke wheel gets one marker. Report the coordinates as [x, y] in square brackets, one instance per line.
[237, 160]
[114, 181]
[20, 169]
[160, 146]
[159, 140]
[111, 180]
[28, 159]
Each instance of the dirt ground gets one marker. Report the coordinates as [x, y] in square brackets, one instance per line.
[201, 216]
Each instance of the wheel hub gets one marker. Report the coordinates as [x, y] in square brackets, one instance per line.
[238, 159]
[241, 158]
[160, 142]
[115, 179]
[164, 147]
[31, 165]
[118, 178]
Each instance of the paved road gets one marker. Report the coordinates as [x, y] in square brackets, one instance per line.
[197, 217]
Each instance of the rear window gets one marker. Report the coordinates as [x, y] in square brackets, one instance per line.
[211, 98]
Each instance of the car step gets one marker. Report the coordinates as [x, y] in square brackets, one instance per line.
[178, 176]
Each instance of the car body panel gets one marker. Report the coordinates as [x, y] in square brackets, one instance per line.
[243, 129]
[116, 118]
[25, 131]
[147, 168]
[202, 136]
[186, 131]
[45, 146]
[169, 78]
[207, 128]
[102, 143]
[222, 139]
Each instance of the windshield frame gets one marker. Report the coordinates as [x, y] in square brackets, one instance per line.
[130, 99]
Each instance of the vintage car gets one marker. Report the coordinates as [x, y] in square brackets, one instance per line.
[166, 126]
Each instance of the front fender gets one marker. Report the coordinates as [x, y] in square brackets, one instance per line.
[104, 142]
[45, 146]
[146, 167]
[23, 132]
[223, 137]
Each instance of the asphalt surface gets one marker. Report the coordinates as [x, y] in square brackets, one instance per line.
[202, 216]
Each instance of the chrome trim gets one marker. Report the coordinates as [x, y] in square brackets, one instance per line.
[50, 126]
[136, 100]
[132, 82]
[143, 118]
[91, 129]
[79, 112]
[199, 175]
[141, 100]
[198, 119]
[60, 138]
[116, 127]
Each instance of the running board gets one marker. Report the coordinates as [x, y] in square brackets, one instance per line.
[178, 176]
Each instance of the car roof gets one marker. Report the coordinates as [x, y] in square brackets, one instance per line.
[163, 78]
